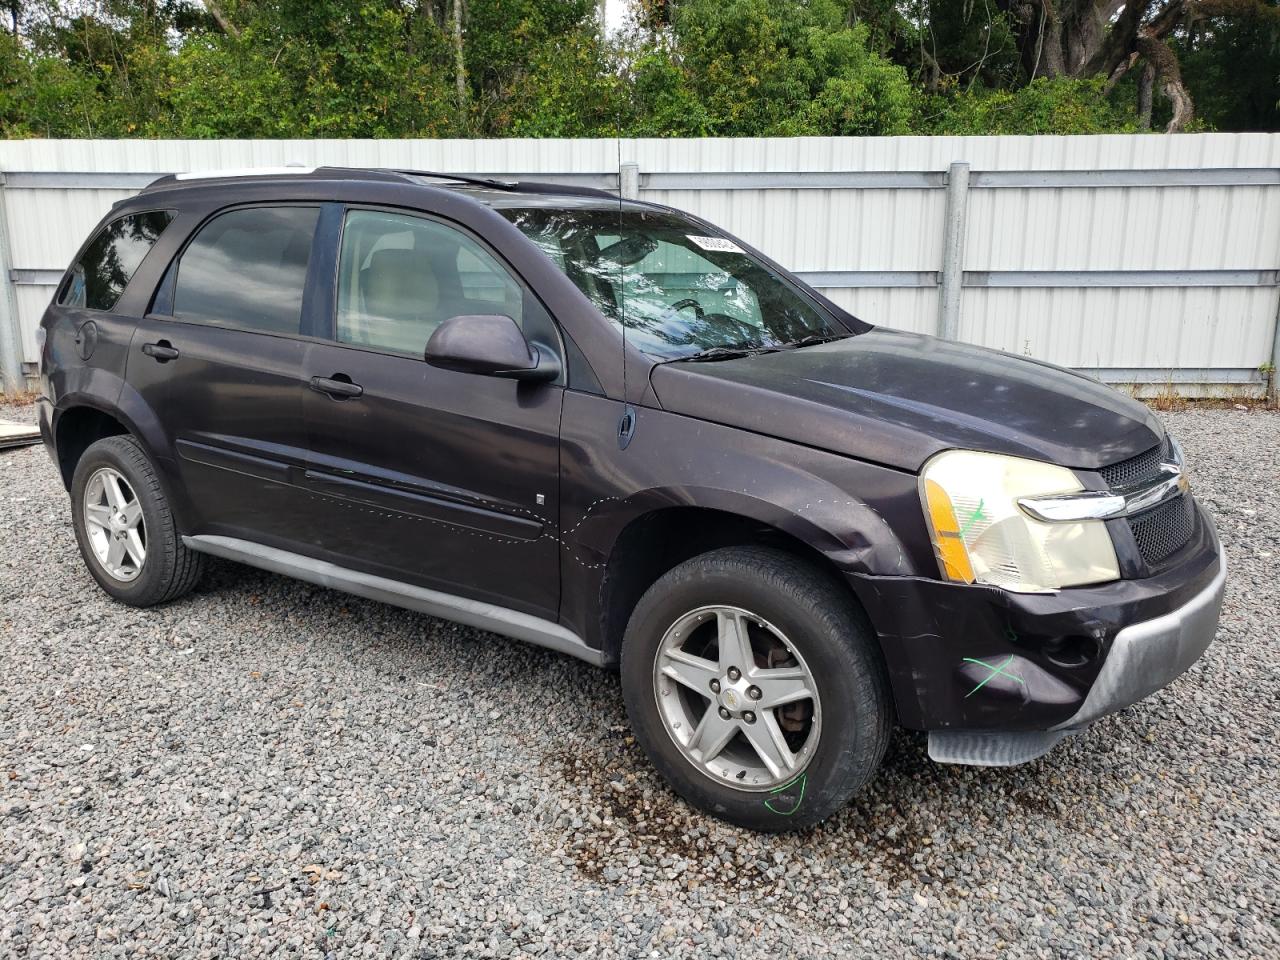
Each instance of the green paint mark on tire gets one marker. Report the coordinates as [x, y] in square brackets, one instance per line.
[802, 780]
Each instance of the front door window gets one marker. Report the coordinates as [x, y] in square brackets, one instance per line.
[400, 277]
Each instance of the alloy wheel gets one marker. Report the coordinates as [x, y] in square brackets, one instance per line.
[737, 698]
[114, 525]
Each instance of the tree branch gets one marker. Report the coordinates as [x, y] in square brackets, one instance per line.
[1123, 67]
[220, 17]
[1168, 73]
[1051, 25]
[1120, 40]
[1188, 12]
[934, 70]
[459, 63]
[1146, 89]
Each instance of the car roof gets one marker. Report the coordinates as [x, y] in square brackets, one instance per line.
[488, 191]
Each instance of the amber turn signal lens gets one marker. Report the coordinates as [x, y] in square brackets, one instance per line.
[947, 542]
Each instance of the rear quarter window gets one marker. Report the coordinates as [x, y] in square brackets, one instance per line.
[107, 265]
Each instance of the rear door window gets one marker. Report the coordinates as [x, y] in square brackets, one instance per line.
[246, 269]
[113, 256]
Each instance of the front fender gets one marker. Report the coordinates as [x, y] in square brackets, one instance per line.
[853, 534]
[863, 517]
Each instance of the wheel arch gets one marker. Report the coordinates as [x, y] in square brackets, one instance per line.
[76, 428]
[659, 539]
[81, 418]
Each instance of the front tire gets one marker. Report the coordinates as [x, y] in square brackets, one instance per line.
[125, 528]
[755, 685]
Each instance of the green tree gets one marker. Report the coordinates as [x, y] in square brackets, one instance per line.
[1232, 66]
[1116, 38]
[758, 68]
[315, 69]
[1061, 106]
[43, 96]
[540, 68]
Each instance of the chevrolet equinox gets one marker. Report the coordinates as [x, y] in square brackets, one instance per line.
[609, 428]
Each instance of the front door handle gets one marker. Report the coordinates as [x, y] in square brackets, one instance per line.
[339, 386]
[163, 351]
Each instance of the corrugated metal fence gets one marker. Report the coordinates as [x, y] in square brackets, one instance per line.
[1147, 260]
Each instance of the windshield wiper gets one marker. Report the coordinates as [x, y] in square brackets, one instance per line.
[727, 353]
[754, 350]
[814, 339]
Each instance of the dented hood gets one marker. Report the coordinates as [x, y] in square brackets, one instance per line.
[898, 398]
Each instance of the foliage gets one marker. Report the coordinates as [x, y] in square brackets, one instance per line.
[540, 68]
[1217, 55]
[761, 68]
[45, 96]
[1060, 106]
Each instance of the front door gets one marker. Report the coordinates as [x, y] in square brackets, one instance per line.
[444, 479]
[219, 359]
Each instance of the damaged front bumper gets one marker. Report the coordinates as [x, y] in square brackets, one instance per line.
[999, 678]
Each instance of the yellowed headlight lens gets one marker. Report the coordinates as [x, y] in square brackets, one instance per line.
[981, 535]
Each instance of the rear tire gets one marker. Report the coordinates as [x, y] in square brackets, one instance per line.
[781, 768]
[125, 527]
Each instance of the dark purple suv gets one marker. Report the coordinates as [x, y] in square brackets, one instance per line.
[610, 429]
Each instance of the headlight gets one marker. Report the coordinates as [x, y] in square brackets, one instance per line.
[981, 535]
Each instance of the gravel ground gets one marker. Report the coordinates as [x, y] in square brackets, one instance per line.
[269, 768]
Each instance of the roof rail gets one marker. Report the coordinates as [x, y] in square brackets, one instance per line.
[286, 170]
[514, 186]
[461, 178]
[491, 183]
[540, 186]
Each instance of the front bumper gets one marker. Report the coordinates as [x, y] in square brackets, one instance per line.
[1144, 658]
[1152, 654]
[998, 677]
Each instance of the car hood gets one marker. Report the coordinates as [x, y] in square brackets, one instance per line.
[898, 398]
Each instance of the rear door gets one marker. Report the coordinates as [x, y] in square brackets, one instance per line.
[219, 359]
[444, 479]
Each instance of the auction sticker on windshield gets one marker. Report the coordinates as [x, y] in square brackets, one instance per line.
[716, 243]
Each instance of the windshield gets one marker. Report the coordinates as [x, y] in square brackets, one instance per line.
[679, 289]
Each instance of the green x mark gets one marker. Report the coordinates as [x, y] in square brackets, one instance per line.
[802, 780]
[995, 672]
[976, 515]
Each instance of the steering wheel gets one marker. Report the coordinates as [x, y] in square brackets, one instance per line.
[732, 326]
[679, 305]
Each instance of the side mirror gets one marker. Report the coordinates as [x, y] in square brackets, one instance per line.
[491, 345]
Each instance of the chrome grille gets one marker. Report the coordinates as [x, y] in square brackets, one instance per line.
[1163, 531]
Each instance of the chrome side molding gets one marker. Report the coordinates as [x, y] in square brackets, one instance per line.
[474, 613]
[1169, 482]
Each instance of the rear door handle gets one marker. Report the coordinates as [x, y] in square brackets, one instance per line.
[338, 389]
[163, 351]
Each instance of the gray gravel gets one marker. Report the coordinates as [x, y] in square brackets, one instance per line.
[269, 768]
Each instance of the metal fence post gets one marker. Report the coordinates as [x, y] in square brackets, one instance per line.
[629, 180]
[1273, 374]
[953, 251]
[11, 378]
